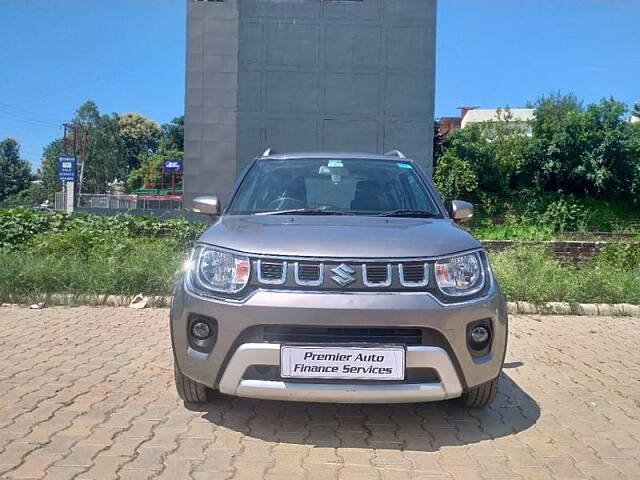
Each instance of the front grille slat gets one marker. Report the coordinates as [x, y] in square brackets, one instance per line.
[273, 273]
[324, 335]
[309, 274]
[413, 274]
[376, 275]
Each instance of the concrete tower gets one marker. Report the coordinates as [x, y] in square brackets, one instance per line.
[305, 75]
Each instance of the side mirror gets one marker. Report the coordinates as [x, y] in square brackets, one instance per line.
[461, 212]
[207, 205]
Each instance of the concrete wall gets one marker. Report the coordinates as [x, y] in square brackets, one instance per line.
[305, 75]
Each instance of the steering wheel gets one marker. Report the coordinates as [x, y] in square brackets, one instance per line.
[279, 202]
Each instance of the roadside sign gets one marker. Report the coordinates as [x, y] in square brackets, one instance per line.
[172, 165]
[67, 169]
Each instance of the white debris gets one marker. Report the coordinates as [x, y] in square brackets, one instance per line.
[139, 301]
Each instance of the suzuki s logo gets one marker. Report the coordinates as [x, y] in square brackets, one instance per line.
[344, 275]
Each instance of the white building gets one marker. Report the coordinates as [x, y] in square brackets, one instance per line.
[518, 117]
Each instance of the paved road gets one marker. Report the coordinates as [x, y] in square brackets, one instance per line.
[88, 393]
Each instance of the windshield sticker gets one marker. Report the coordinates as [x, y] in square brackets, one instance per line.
[405, 165]
[335, 164]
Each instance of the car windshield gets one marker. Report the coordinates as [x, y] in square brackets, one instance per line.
[333, 187]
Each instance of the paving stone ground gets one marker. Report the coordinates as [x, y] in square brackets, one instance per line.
[88, 393]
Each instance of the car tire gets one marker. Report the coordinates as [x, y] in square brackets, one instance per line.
[480, 396]
[191, 391]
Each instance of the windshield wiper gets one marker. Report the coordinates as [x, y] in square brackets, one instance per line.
[407, 212]
[303, 211]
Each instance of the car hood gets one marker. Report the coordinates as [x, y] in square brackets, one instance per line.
[339, 236]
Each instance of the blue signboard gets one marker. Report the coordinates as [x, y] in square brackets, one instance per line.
[67, 169]
[172, 165]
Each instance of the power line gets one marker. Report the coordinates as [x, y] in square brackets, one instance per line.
[24, 119]
[24, 112]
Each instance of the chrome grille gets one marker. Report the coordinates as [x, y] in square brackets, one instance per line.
[335, 274]
[272, 273]
[309, 274]
[414, 274]
[376, 275]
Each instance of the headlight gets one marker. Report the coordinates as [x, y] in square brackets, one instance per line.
[460, 276]
[219, 271]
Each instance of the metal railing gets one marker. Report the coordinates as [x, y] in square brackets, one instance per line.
[120, 202]
[117, 202]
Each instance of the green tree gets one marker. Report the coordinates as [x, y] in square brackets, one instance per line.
[581, 151]
[15, 173]
[454, 177]
[49, 167]
[139, 135]
[495, 150]
[34, 195]
[106, 152]
[173, 135]
[149, 174]
[636, 110]
[633, 151]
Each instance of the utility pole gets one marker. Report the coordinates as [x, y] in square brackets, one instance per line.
[83, 158]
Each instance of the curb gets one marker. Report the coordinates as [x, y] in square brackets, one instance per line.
[514, 308]
[70, 300]
[565, 308]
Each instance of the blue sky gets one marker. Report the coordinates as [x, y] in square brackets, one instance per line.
[128, 55]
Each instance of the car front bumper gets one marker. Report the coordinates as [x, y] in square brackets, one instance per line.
[224, 366]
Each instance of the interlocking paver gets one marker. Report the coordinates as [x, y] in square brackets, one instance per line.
[95, 400]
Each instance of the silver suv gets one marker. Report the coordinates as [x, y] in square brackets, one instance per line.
[338, 277]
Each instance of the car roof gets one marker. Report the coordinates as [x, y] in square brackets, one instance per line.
[334, 155]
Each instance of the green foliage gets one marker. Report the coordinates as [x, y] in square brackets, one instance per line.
[15, 173]
[140, 136]
[173, 135]
[22, 229]
[577, 169]
[622, 255]
[454, 178]
[106, 156]
[533, 275]
[34, 195]
[150, 170]
[146, 265]
[118, 145]
[585, 152]
[49, 168]
[58, 253]
[496, 151]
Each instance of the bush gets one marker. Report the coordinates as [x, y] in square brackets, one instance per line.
[19, 227]
[454, 178]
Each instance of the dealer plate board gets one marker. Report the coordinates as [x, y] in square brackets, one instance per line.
[343, 363]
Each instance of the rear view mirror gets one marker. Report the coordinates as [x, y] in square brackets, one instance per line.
[207, 205]
[461, 212]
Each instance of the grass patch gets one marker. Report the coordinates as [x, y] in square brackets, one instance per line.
[148, 266]
[534, 275]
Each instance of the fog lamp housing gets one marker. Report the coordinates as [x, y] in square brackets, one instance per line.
[479, 338]
[200, 330]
